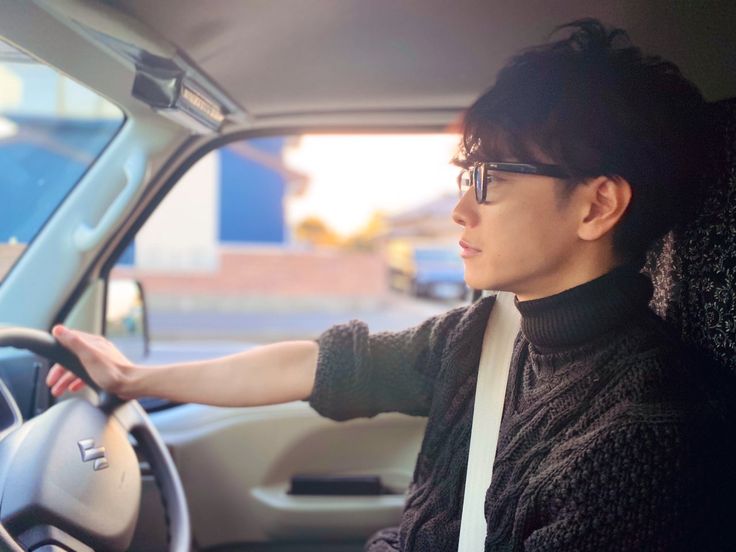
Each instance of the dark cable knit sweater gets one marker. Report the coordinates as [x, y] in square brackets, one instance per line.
[614, 435]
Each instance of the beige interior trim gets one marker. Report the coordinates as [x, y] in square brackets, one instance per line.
[236, 465]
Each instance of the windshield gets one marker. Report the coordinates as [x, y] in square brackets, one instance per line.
[51, 131]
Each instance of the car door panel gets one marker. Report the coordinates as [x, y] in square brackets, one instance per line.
[236, 465]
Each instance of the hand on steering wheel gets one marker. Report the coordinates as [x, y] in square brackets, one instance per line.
[70, 475]
[105, 364]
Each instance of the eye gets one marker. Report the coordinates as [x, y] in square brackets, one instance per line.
[495, 179]
[463, 182]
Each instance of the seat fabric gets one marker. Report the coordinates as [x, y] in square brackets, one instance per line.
[693, 267]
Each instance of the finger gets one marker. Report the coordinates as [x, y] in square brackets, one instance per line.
[61, 385]
[57, 370]
[58, 329]
[79, 333]
[70, 339]
[76, 385]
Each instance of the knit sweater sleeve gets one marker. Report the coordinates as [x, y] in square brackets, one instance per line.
[642, 486]
[361, 374]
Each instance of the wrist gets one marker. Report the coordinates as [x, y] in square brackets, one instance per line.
[130, 383]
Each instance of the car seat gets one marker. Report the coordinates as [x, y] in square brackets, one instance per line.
[693, 267]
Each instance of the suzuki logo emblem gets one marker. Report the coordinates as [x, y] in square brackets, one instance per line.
[89, 453]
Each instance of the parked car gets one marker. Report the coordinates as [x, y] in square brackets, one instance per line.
[426, 270]
[105, 107]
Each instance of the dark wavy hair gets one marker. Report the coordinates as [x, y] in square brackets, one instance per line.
[595, 105]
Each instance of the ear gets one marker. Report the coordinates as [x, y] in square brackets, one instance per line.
[604, 201]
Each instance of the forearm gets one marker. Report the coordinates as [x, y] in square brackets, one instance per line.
[268, 374]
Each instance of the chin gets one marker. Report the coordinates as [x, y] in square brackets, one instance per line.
[487, 284]
[478, 283]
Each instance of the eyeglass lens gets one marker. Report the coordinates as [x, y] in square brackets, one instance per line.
[474, 178]
[479, 183]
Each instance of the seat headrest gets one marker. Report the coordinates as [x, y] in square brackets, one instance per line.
[693, 267]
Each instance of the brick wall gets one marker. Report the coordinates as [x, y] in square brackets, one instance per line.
[246, 276]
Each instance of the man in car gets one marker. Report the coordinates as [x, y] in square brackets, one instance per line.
[614, 435]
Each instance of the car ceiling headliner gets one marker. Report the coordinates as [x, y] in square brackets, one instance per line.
[313, 56]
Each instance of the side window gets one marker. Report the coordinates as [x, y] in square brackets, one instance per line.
[279, 238]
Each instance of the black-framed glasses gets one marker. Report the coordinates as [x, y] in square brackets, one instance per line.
[479, 176]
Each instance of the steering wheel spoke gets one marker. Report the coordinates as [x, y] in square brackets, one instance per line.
[48, 535]
[8, 541]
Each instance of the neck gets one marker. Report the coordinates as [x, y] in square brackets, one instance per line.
[587, 311]
[582, 270]
[557, 283]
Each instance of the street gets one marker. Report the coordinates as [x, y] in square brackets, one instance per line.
[395, 312]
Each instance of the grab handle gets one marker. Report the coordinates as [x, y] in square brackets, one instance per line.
[85, 236]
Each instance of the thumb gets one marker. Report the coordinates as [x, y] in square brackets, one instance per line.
[60, 332]
[67, 337]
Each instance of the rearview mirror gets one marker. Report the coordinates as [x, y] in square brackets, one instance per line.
[126, 320]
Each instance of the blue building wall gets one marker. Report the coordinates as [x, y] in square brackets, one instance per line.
[251, 196]
[251, 199]
[128, 256]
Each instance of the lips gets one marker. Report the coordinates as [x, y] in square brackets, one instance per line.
[467, 250]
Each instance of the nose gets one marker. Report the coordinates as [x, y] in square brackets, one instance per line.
[465, 211]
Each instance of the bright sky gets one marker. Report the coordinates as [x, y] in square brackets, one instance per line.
[351, 177]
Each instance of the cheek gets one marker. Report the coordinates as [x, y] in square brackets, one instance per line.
[523, 233]
[522, 237]
[510, 223]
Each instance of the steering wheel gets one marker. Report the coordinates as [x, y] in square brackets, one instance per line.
[70, 478]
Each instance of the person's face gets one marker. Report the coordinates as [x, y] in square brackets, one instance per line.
[522, 239]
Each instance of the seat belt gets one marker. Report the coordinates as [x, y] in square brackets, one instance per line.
[503, 326]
